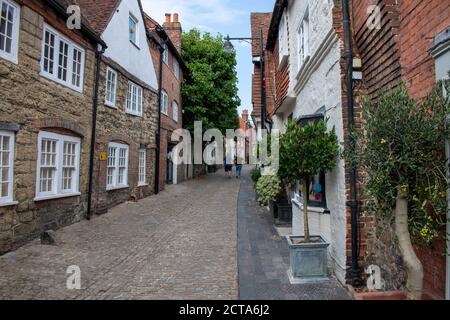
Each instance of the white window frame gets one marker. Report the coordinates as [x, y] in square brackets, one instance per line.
[164, 103]
[166, 54]
[175, 111]
[283, 50]
[134, 100]
[9, 199]
[70, 70]
[176, 69]
[115, 185]
[142, 172]
[12, 56]
[111, 86]
[303, 51]
[136, 21]
[58, 191]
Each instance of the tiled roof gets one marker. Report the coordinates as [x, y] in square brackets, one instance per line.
[98, 13]
[61, 7]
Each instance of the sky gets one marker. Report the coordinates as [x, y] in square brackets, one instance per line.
[218, 16]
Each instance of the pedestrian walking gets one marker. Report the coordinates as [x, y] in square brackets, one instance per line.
[238, 164]
[228, 166]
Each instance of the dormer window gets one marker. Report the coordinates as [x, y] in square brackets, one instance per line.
[133, 30]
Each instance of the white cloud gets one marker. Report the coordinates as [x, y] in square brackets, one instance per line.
[205, 15]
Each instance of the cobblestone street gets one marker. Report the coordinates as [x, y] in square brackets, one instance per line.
[180, 244]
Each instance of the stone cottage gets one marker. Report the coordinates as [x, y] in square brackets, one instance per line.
[171, 105]
[47, 75]
[125, 147]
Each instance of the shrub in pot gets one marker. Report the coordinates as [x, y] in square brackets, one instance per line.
[268, 188]
[305, 151]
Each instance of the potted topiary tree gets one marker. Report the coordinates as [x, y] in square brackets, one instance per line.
[305, 151]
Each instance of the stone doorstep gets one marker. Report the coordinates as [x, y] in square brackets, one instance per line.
[283, 231]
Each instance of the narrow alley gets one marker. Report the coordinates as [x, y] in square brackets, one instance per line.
[181, 244]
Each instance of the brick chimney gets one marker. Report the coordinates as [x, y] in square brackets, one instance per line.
[173, 29]
[245, 115]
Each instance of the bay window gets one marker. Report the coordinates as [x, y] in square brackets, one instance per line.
[58, 166]
[117, 166]
[6, 167]
[9, 30]
[62, 60]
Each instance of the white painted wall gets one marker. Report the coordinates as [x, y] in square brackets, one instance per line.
[137, 61]
[322, 88]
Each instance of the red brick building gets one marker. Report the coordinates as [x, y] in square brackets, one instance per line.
[260, 23]
[279, 103]
[401, 49]
[171, 110]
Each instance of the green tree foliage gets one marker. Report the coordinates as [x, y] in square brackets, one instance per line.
[306, 151]
[404, 145]
[210, 91]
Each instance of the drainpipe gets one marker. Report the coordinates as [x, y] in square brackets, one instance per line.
[98, 57]
[158, 132]
[353, 202]
[264, 118]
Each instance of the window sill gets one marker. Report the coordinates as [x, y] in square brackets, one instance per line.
[142, 185]
[57, 196]
[134, 44]
[283, 61]
[133, 114]
[110, 105]
[117, 188]
[11, 58]
[311, 209]
[8, 203]
[302, 68]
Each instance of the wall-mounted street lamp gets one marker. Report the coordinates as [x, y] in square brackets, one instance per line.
[229, 48]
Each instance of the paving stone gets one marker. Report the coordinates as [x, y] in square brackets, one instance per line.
[180, 244]
[266, 277]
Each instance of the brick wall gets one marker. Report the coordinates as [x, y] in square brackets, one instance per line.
[399, 51]
[172, 86]
[35, 103]
[258, 21]
[277, 80]
[378, 48]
